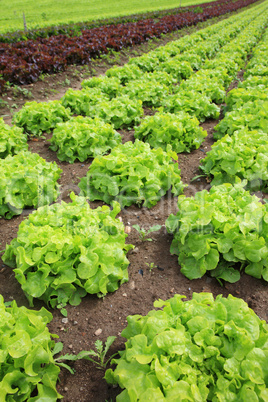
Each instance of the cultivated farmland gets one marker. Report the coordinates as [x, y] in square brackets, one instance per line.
[168, 152]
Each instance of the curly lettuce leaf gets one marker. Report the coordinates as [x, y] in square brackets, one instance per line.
[196, 350]
[132, 174]
[64, 251]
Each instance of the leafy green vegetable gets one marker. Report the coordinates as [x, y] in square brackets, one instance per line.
[260, 70]
[132, 174]
[193, 59]
[148, 62]
[150, 93]
[226, 224]
[208, 86]
[12, 140]
[180, 130]
[196, 350]
[191, 102]
[229, 65]
[237, 97]
[121, 111]
[125, 73]
[254, 82]
[26, 355]
[251, 115]
[26, 180]
[243, 155]
[82, 138]
[180, 70]
[35, 118]
[109, 86]
[64, 251]
[83, 101]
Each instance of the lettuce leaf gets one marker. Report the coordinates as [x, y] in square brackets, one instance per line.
[196, 350]
[64, 251]
[132, 174]
[82, 138]
[224, 226]
[36, 118]
[26, 180]
[180, 130]
[12, 140]
[27, 363]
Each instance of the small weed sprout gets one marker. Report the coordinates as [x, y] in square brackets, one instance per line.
[100, 354]
[151, 266]
[143, 233]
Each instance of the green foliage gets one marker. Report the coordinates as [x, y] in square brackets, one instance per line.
[121, 112]
[180, 130]
[143, 233]
[226, 225]
[53, 15]
[82, 138]
[196, 350]
[35, 118]
[132, 174]
[193, 103]
[150, 92]
[26, 180]
[244, 155]
[251, 115]
[223, 62]
[125, 73]
[254, 82]
[100, 353]
[237, 97]
[193, 59]
[151, 266]
[180, 70]
[27, 363]
[83, 102]
[148, 62]
[109, 86]
[12, 140]
[160, 76]
[259, 70]
[211, 87]
[64, 251]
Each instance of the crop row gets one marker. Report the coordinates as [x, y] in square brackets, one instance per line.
[23, 62]
[131, 173]
[242, 149]
[64, 251]
[76, 29]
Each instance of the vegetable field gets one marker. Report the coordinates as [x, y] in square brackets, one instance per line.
[50, 13]
[134, 221]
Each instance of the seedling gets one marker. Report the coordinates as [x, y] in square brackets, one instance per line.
[151, 266]
[100, 354]
[144, 233]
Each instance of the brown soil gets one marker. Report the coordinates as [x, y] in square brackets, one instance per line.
[108, 315]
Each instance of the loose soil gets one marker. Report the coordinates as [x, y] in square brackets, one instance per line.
[108, 315]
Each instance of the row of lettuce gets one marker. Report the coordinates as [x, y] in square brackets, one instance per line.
[23, 62]
[196, 350]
